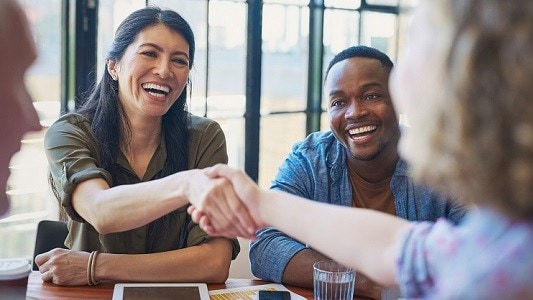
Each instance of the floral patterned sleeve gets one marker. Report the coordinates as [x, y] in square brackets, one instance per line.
[424, 247]
[486, 257]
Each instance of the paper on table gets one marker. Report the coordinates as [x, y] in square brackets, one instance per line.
[249, 292]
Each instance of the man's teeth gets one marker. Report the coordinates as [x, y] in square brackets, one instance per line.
[156, 88]
[363, 129]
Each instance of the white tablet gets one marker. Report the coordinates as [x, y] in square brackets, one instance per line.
[162, 291]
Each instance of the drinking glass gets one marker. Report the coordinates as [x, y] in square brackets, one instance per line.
[333, 281]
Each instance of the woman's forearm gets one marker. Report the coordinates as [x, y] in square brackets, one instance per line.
[208, 262]
[126, 207]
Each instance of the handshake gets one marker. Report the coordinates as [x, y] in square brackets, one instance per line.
[229, 206]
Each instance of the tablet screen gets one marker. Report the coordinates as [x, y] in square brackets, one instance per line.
[161, 292]
[144, 291]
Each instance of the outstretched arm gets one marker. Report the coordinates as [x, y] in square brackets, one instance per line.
[364, 239]
[102, 206]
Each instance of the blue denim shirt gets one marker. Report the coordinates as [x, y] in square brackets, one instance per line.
[316, 169]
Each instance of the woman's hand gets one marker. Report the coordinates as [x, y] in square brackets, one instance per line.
[63, 267]
[232, 208]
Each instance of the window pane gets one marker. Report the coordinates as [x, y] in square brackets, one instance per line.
[234, 131]
[278, 134]
[27, 186]
[285, 54]
[341, 30]
[227, 59]
[227, 67]
[379, 31]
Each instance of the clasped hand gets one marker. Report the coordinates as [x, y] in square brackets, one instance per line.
[230, 206]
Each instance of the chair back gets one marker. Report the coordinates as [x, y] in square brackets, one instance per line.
[50, 235]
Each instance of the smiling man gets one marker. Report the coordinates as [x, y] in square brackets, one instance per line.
[355, 164]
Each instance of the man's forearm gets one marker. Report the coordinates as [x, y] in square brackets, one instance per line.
[299, 270]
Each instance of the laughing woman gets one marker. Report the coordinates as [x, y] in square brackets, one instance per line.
[124, 165]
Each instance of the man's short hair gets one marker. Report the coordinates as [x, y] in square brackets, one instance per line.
[361, 51]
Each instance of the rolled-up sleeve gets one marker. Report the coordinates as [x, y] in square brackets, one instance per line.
[197, 236]
[73, 158]
[271, 252]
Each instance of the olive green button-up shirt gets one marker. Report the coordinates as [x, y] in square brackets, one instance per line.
[73, 157]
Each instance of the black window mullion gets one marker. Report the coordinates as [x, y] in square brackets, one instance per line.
[252, 115]
[85, 47]
[315, 61]
[65, 87]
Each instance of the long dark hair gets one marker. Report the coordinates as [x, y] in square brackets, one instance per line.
[109, 124]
